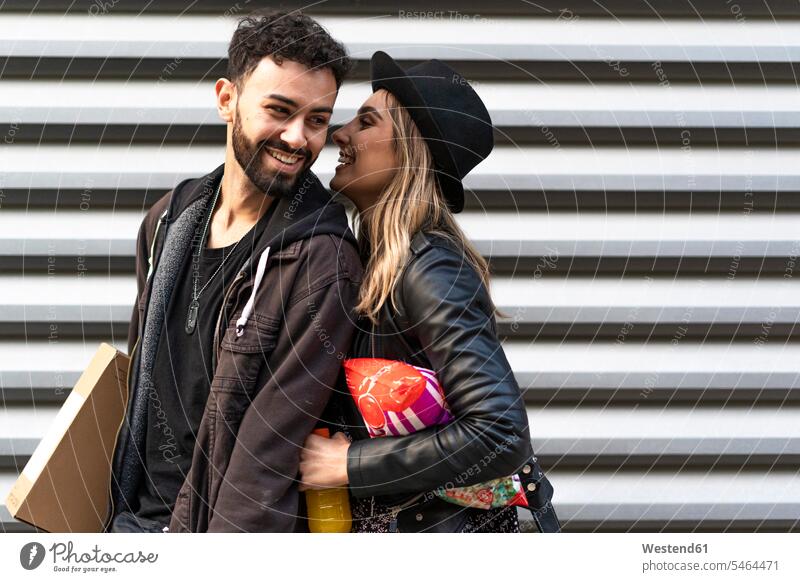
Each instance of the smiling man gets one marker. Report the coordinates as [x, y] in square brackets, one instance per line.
[247, 278]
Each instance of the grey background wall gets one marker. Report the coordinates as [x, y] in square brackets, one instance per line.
[641, 214]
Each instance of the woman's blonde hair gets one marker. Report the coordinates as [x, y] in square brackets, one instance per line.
[411, 202]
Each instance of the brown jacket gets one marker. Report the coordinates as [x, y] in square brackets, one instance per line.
[273, 376]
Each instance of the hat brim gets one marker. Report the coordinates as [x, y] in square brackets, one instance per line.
[387, 74]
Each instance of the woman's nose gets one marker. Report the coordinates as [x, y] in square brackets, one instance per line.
[339, 137]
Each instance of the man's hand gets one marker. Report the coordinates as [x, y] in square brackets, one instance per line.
[323, 462]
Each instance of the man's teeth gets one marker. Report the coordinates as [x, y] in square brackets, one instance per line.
[285, 158]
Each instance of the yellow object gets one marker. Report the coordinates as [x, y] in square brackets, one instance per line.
[328, 509]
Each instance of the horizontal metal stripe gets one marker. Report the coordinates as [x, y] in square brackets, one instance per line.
[634, 424]
[678, 446]
[724, 487]
[630, 424]
[68, 248]
[633, 315]
[523, 300]
[68, 68]
[523, 291]
[492, 248]
[597, 454]
[539, 120]
[71, 291]
[665, 232]
[59, 314]
[568, 168]
[662, 454]
[574, 324]
[544, 48]
[689, 511]
[443, 11]
[659, 389]
[757, 264]
[36, 388]
[647, 370]
[38, 381]
[638, 296]
[609, 316]
[745, 323]
[711, 381]
[688, 517]
[496, 249]
[654, 364]
[174, 125]
[677, 517]
[62, 199]
[632, 135]
[119, 36]
[14, 453]
[637, 248]
[733, 181]
[612, 389]
[641, 395]
[557, 105]
[538, 388]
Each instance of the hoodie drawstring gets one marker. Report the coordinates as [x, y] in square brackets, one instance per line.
[248, 307]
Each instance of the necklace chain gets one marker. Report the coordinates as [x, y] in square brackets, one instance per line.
[196, 294]
[194, 306]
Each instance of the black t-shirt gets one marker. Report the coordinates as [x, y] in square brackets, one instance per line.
[182, 371]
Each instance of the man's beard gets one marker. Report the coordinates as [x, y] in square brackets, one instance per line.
[250, 158]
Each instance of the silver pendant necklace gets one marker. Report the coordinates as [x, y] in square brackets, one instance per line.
[194, 306]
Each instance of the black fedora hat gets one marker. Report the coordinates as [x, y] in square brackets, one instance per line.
[448, 113]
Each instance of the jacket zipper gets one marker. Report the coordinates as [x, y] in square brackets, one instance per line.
[214, 356]
[394, 511]
[239, 276]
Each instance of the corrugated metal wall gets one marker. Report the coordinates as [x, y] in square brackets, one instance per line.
[640, 211]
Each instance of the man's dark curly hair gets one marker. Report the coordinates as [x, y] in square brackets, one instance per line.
[284, 36]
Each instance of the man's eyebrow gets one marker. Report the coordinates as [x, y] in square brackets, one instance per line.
[368, 109]
[277, 97]
[293, 103]
[322, 110]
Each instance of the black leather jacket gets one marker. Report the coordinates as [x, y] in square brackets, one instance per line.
[443, 320]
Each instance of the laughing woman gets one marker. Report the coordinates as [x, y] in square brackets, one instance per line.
[425, 301]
